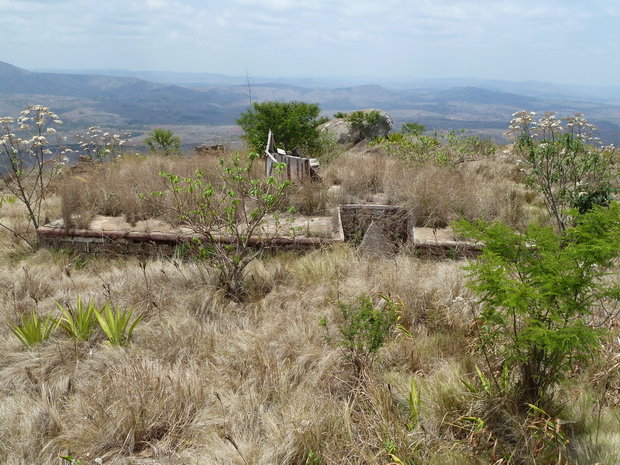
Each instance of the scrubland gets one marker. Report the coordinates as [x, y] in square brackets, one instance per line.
[264, 379]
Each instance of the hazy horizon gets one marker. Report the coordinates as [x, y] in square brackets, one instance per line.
[560, 42]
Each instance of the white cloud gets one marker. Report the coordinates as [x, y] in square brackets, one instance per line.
[520, 38]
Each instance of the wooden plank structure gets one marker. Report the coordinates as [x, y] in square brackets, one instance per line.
[298, 168]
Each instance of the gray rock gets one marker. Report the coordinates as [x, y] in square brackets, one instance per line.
[375, 244]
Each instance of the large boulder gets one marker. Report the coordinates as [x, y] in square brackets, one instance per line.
[358, 126]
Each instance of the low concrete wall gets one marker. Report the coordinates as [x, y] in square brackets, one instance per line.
[150, 244]
[350, 224]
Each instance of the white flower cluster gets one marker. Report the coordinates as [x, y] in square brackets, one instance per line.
[549, 128]
[99, 145]
[34, 121]
[38, 115]
[522, 122]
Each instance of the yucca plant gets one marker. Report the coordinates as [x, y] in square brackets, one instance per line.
[115, 324]
[34, 329]
[414, 405]
[79, 323]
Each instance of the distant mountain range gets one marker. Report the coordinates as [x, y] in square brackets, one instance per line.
[128, 99]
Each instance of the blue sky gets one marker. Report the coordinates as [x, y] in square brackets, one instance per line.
[559, 41]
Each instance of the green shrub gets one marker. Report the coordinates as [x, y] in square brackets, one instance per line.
[365, 326]
[226, 214]
[362, 120]
[413, 129]
[164, 141]
[538, 291]
[293, 125]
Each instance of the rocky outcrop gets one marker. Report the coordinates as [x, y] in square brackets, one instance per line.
[358, 126]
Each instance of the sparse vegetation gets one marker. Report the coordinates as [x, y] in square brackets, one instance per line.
[210, 379]
[226, 214]
[451, 148]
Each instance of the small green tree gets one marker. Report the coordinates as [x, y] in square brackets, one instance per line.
[226, 216]
[538, 292]
[414, 129]
[292, 123]
[363, 122]
[564, 162]
[164, 141]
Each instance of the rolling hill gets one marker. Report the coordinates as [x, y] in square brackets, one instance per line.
[122, 99]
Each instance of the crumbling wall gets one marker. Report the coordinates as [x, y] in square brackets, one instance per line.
[394, 222]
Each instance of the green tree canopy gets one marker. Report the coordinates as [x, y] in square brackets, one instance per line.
[163, 140]
[293, 125]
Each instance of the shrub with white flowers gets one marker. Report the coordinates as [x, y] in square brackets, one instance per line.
[28, 163]
[564, 161]
[99, 145]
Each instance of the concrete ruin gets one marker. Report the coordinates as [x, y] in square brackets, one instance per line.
[348, 223]
[298, 167]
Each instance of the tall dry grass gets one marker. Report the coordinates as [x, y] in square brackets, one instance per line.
[115, 189]
[206, 380]
[437, 194]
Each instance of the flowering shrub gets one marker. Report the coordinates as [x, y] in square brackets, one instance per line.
[564, 161]
[29, 165]
[100, 145]
[163, 140]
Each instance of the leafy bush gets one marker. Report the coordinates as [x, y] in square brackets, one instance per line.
[538, 291]
[564, 163]
[226, 215]
[293, 125]
[362, 120]
[365, 326]
[163, 140]
[413, 128]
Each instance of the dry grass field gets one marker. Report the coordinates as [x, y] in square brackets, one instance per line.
[265, 379]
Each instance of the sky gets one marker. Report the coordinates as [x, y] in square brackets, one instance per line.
[557, 41]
